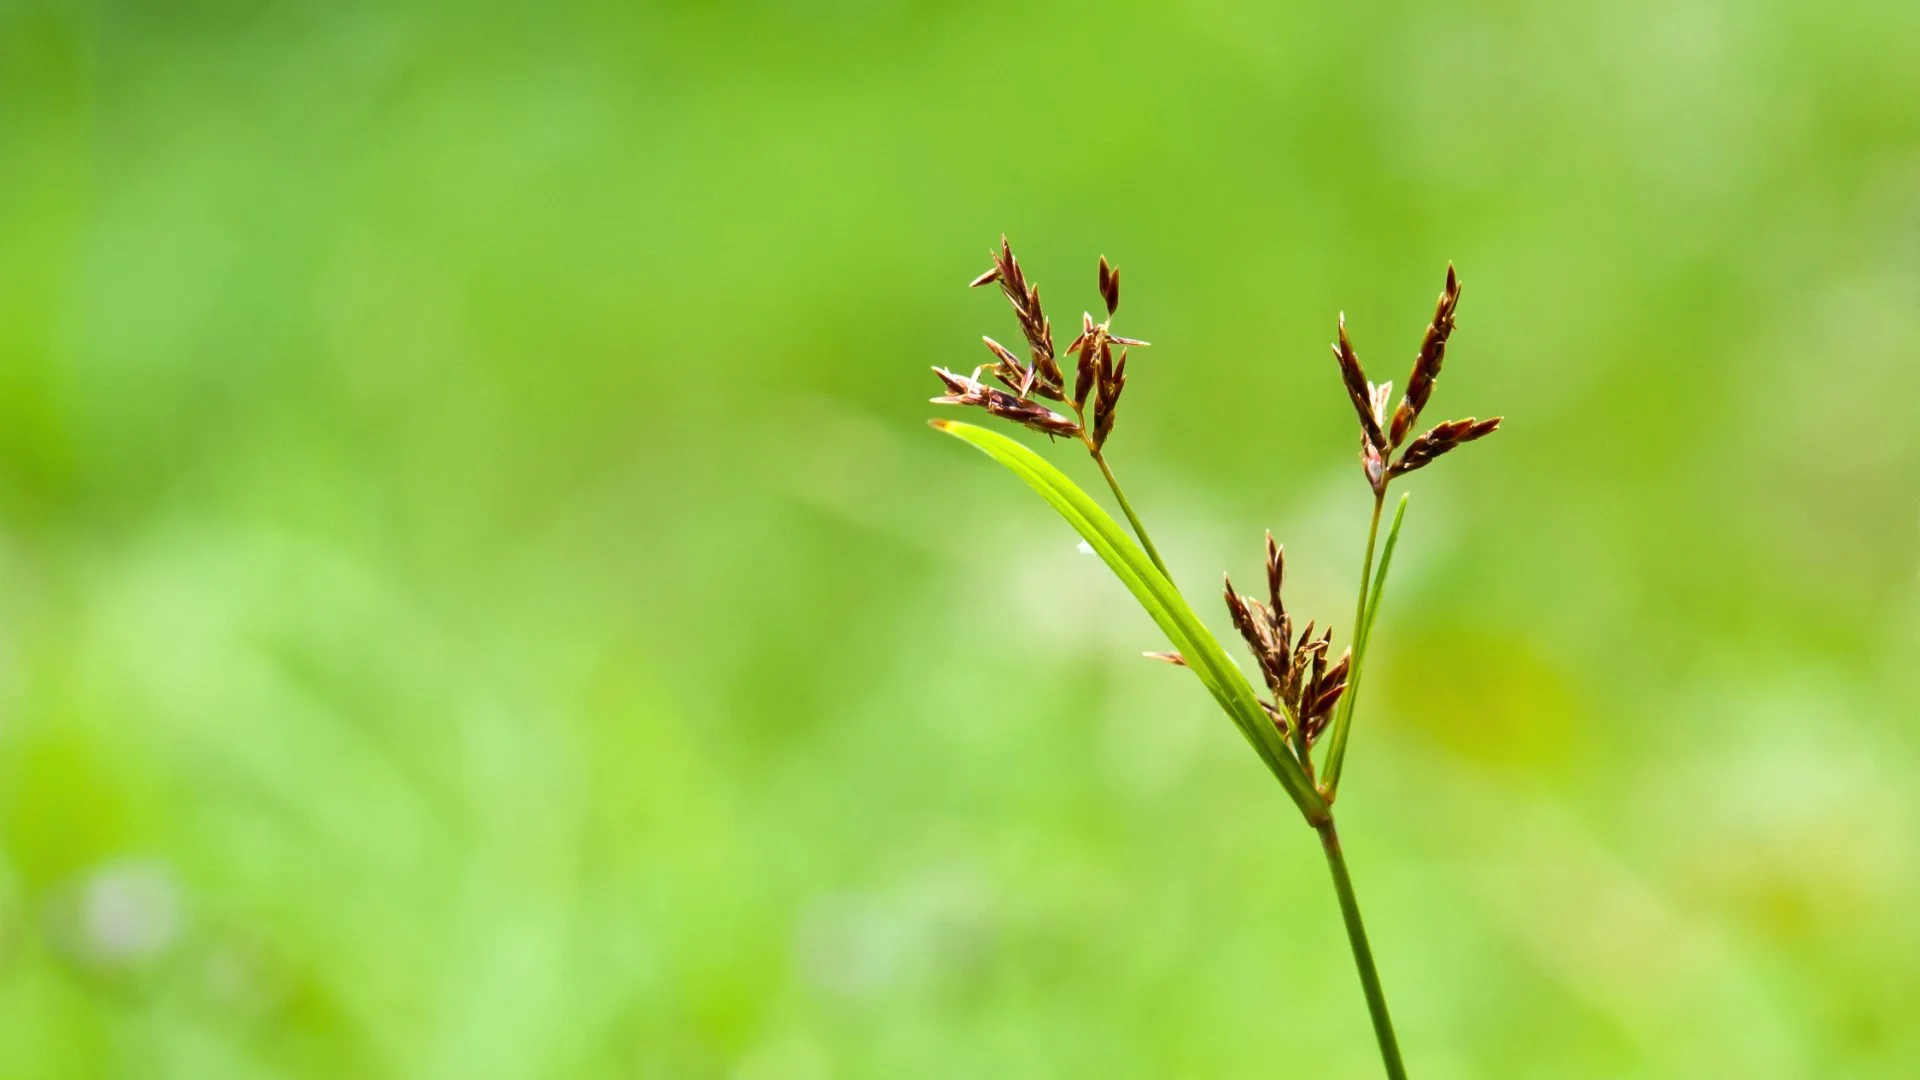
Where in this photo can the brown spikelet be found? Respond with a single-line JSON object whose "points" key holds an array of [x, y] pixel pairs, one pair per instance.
{"points": [[1002, 353], [1109, 286], [957, 386], [1030, 413], [1255, 625], [1322, 691], [1276, 573], [1358, 388], [1338, 672], [1099, 377], [968, 390], [1426, 365], [1306, 681], [1110, 378], [1440, 439], [1243, 618], [1328, 696], [1087, 349], [1008, 368], [1086, 329], [1025, 298]]}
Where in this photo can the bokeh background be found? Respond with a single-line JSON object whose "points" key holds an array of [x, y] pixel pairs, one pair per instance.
{"points": [[478, 597]]}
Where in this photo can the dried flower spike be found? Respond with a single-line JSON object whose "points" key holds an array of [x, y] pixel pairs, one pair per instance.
{"points": [[969, 390], [1426, 365], [1047, 380], [1110, 377], [1087, 348], [1440, 439], [1008, 369], [1304, 686], [1370, 402], [1276, 573], [1357, 387]]}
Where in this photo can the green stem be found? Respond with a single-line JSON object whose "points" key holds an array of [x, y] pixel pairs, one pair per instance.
{"points": [[1126, 507], [1362, 952], [1337, 738]]}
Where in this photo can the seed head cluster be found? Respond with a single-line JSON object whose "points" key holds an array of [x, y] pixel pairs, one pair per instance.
{"points": [[1379, 437], [1305, 687], [1304, 681], [1099, 375]]}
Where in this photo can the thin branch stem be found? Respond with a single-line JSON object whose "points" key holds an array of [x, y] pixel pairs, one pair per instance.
{"points": [[1362, 952], [1126, 507], [1337, 738]]}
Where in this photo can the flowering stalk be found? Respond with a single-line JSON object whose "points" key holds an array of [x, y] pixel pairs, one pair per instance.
{"points": [[1310, 693]]}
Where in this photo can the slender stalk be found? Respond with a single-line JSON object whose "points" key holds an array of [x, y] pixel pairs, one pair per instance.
{"points": [[1337, 738], [1126, 507], [1362, 952]]}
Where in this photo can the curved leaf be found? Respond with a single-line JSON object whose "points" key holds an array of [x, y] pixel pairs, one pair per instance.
{"points": [[1160, 599]]}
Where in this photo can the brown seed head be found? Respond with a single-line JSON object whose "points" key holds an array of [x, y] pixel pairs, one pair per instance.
{"points": [[1031, 414], [1086, 331], [1426, 365], [1338, 672], [1002, 353], [1441, 438], [1255, 624], [1305, 682], [1034, 326], [1087, 349], [1276, 573], [1318, 698], [1357, 387], [969, 390], [1110, 378], [1109, 286], [1008, 368], [1242, 616], [958, 386], [1320, 710]]}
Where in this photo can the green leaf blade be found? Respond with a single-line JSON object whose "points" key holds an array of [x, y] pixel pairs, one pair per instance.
{"points": [[1160, 599]]}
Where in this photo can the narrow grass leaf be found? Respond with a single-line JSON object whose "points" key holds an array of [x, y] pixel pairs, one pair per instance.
{"points": [[1157, 595]]}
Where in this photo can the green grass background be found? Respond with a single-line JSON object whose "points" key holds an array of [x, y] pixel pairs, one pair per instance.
{"points": [[478, 597]]}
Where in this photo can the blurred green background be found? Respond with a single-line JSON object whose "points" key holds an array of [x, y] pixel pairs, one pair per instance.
{"points": [[478, 597]]}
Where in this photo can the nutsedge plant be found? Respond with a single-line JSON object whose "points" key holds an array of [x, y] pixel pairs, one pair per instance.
{"points": [[1311, 695]]}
